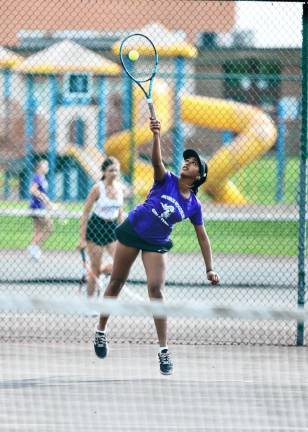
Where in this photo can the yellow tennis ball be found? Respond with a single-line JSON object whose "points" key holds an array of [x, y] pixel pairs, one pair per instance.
{"points": [[133, 55]]}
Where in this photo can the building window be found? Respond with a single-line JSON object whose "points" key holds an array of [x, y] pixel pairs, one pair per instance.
{"points": [[78, 84], [78, 87]]}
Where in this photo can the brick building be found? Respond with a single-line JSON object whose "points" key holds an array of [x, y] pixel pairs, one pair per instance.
{"points": [[192, 17]]}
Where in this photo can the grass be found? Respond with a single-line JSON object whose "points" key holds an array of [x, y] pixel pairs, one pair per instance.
{"points": [[257, 182], [69, 206], [15, 233], [230, 237], [242, 237]]}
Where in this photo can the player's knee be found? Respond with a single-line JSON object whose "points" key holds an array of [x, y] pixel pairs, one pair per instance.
{"points": [[155, 290], [49, 227], [95, 270], [115, 286]]}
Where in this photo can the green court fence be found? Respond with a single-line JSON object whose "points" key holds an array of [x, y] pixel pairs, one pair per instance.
{"points": [[237, 98]]}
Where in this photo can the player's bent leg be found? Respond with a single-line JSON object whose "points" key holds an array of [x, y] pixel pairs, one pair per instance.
{"points": [[95, 254], [106, 269], [123, 260], [154, 264]]}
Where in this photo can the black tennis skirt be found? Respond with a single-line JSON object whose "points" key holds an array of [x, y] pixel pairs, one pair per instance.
{"points": [[100, 231], [126, 234]]}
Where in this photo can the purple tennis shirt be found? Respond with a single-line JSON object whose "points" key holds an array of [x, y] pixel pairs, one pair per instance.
{"points": [[164, 206], [36, 203]]}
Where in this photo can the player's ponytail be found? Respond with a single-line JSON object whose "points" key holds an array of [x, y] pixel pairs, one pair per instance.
{"points": [[197, 183]]}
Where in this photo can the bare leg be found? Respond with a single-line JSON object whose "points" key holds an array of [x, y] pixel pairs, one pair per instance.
{"points": [[48, 228], [95, 253], [155, 267], [123, 260], [107, 268], [42, 229]]}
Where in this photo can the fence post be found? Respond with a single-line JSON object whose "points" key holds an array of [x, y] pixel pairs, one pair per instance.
{"points": [[30, 107], [128, 123], [178, 133], [101, 120], [303, 180], [52, 140], [280, 152]]}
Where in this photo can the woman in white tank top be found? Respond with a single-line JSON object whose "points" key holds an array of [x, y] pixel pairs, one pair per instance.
{"points": [[101, 214]]}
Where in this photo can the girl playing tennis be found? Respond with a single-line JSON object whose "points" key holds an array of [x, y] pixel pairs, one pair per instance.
{"points": [[97, 232], [148, 228]]}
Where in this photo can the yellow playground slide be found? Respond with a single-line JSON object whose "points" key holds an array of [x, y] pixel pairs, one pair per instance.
{"points": [[256, 133], [90, 158]]}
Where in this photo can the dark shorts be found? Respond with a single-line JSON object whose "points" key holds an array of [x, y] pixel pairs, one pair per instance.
{"points": [[100, 231], [127, 235]]}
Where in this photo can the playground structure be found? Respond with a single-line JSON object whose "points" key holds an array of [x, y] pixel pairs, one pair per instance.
{"points": [[66, 66]]}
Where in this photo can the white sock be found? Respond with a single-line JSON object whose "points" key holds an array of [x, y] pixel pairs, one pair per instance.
{"points": [[100, 331], [163, 348]]}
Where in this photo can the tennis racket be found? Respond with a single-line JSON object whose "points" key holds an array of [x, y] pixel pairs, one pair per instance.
{"points": [[148, 58], [83, 278]]}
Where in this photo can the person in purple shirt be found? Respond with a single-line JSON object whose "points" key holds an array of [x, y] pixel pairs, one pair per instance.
{"points": [[39, 203], [148, 227]]}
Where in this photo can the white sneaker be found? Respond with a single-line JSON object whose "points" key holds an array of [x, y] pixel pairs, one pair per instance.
{"points": [[35, 252]]}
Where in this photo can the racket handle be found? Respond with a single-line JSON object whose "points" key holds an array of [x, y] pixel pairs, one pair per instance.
{"points": [[152, 110], [83, 255]]}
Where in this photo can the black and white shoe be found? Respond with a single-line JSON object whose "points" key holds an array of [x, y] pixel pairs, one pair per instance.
{"points": [[165, 363], [100, 344]]}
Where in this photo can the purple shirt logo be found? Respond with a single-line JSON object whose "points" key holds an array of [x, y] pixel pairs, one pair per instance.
{"points": [[164, 206]]}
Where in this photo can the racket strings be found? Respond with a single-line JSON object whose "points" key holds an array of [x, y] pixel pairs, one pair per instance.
{"points": [[142, 69]]}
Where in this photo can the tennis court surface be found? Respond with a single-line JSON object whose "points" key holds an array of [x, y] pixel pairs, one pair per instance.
{"points": [[64, 387], [230, 373]]}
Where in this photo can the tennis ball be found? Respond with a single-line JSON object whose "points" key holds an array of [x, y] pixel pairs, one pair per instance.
{"points": [[133, 55]]}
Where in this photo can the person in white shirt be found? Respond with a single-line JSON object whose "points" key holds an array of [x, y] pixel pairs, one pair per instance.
{"points": [[103, 211]]}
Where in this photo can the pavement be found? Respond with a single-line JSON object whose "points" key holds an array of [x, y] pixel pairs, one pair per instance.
{"points": [[65, 388], [182, 268]]}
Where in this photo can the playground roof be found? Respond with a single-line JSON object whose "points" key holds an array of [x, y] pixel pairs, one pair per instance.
{"points": [[67, 56], [168, 43], [8, 58]]}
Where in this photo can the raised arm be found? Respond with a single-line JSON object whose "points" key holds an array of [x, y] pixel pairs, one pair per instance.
{"points": [[206, 250], [157, 162]]}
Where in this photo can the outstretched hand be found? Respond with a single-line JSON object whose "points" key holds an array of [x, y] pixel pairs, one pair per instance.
{"points": [[155, 126], [82, 244], [213, 277]]}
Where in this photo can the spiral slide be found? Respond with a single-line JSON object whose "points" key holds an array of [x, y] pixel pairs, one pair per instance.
{"points": [[256, 134]]}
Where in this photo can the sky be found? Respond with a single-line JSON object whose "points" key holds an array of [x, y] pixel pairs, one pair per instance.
{"points": [[275, 24]]}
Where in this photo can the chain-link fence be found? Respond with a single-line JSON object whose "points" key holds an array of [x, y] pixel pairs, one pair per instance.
{"points": [[75, 157]]}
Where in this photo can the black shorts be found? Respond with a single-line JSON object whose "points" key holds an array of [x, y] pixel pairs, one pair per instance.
{"points": [[100, 231], [127, 235]]}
